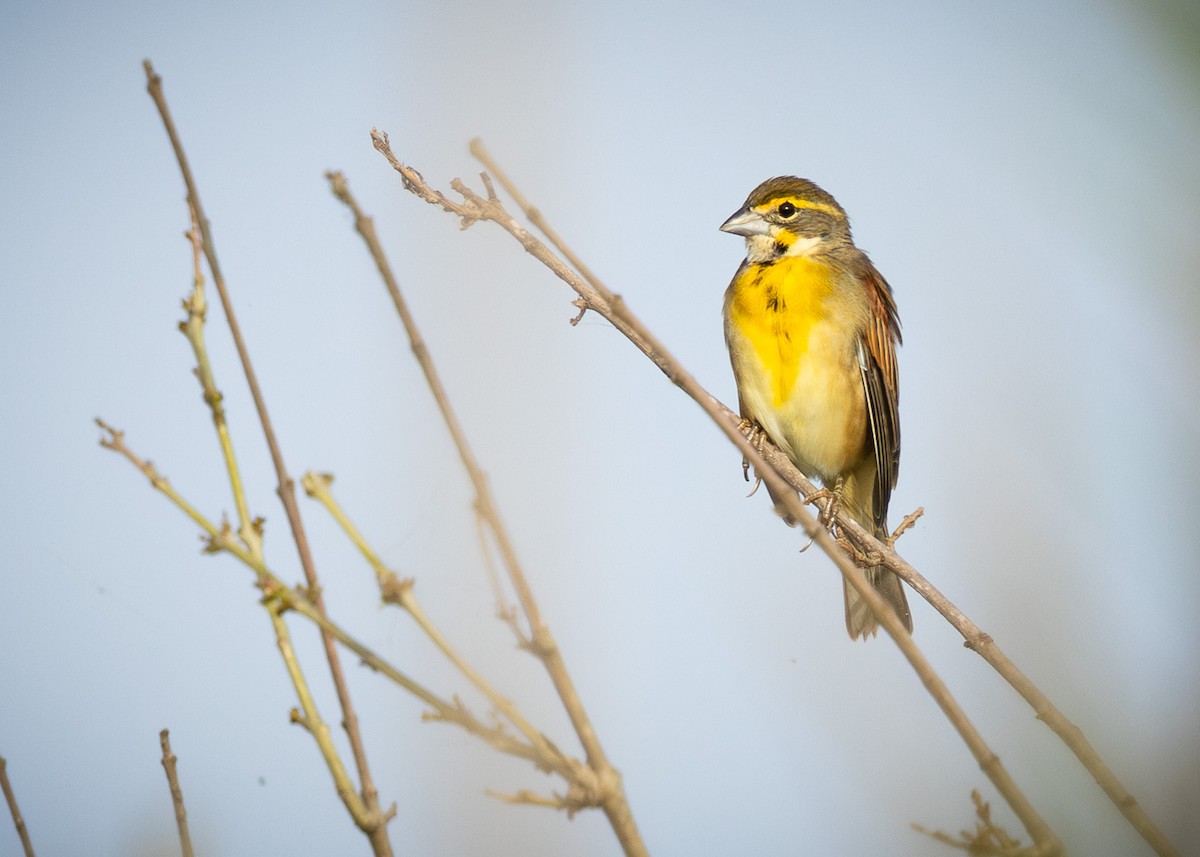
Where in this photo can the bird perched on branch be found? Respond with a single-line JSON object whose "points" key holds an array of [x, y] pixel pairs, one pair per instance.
{"points": [[812, 331]]}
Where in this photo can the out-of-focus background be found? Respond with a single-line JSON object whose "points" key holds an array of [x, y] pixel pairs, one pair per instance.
{"points": [[1027, 177]]}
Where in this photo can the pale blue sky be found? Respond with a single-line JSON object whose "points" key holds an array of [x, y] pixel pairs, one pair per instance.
{"points": [[1024, 174]]}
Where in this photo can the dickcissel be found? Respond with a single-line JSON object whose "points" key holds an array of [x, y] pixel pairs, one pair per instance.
{"points": [[812, 331]]}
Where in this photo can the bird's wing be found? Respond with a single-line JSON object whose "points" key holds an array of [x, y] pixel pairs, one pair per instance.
{"points": [[881, 382]]}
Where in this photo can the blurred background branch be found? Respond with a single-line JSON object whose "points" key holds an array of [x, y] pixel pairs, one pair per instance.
{"points": [[364, 806], [170, 766], [10, 798], [603, 786]]}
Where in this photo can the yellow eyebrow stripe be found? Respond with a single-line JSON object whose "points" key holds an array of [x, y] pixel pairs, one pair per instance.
{"points": [[799, 202]]}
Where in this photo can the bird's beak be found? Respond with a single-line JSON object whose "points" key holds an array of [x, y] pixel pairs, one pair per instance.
{"points": [[746, 223]]}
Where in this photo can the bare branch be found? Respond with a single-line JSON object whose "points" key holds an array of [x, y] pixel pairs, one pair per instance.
{"points": [[192, 327], [376, 828], [603, 782], [168, 763], [534, 215], [885, 554], [613, 308], [400, 593], [525, 797], [910, 521], [221, 538], [988, 839], [11, 799]]}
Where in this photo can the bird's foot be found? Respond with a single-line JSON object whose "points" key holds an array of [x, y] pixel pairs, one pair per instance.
{"points": [[862, 558], [756, 437], [827, 516]]}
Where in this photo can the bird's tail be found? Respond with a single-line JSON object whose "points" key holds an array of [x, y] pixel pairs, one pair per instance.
{"points": [[860, 619]]}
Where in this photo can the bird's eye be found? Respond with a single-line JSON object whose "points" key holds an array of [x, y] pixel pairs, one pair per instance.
{"points": [[786, 209]]}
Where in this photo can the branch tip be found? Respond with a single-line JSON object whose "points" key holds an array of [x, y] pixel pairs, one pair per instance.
{"points": [[988, 839], [491, 189], [316, 484], [910, 521]]}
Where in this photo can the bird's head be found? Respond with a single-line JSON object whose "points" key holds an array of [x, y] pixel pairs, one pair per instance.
{"points": [[788, 216]]}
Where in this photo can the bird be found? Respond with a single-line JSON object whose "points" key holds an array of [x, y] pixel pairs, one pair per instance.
{"points": [[812, 331]]}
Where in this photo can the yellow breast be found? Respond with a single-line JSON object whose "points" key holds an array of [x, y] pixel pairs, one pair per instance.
{"points": [[774, 307], [793, 332]]}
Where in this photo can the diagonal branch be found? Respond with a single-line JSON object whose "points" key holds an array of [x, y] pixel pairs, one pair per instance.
{"points": [[534, 215], [600, 299], [609, 793], [221, 538], [192, 327], [250, 532], [286, 489], [400, 593], [884, 553], [980, 642], [11, 799]]}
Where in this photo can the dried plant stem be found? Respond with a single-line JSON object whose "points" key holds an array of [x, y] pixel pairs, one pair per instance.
{"points": [[250, 533], [535, 216], [399, 592], [168, 763], [600, 299], [192, 327], [988, 839], [309, 717], [376, 828], [982, 644], [221, 538], [11, 799], [606, 789]]}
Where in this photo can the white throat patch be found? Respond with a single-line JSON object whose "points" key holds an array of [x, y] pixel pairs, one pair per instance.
{"points": [[761, 249], [805, 246]]}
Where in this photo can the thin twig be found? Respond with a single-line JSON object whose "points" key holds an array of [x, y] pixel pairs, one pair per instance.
{"points": [[475, 208], [400, 593], [506, 611], [988, 839], [608, 791], [168, 763], [528, 798], [192, 327], [250, 532], [376, 829], [11, 799], [910, 521], [310, 718], [534, 215], [221, 538]]}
